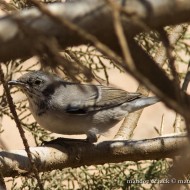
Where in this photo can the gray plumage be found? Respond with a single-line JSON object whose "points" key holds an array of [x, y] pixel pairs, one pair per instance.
{"points": [[72, 108]]}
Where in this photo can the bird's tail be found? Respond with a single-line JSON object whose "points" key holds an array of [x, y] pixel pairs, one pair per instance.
{"points": [[140, 103]]}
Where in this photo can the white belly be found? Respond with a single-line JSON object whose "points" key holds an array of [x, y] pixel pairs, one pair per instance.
{"points": [[66, 123]]}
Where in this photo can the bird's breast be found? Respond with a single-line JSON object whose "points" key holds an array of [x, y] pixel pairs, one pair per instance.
{"points": [[67, 123]]}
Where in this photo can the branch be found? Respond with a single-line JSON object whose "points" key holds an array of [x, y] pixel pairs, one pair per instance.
{"points": [[73, 154], [130, 122], [95, 18]]}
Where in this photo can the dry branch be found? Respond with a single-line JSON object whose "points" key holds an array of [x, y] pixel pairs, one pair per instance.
{"points": [[95, 17], [78, 154]]}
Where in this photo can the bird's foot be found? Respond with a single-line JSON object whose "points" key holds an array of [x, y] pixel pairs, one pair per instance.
{"points": [[62, 141], [92, 136]]}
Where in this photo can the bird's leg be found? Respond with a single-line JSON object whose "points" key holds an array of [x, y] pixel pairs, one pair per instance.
{"points": [[92, 136]]}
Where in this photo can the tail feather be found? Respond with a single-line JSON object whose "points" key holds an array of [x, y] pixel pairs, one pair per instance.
{"points": [[140, 103]]}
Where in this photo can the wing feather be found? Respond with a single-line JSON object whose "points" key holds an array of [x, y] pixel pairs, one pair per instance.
{"points": [[94, 98]]}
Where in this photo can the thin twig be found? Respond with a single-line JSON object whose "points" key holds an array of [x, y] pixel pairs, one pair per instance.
{"points": [[18, 124], [2, 182], [187, 79], [121, 36], [177, 123], [162, 126], [130, 122]]}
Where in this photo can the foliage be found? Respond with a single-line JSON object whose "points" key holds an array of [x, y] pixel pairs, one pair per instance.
{"points": [[85, 64], [105, 177]]}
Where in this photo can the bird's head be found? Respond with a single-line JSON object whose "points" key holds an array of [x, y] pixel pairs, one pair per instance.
{"points": [[37, 84]]}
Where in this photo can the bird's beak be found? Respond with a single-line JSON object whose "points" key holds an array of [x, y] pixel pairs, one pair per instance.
{"points": [[17, 83]]}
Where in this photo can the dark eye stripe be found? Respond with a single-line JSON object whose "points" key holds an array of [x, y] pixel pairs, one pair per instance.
{"points": [[49, 90]]}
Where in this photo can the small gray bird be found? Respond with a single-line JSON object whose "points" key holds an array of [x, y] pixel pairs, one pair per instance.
{"points": [[71, 108]]}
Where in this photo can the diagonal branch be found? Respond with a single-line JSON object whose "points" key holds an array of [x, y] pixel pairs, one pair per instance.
{"points": [[130, 122]]}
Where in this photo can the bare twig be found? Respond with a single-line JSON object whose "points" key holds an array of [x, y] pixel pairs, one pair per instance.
{"points": [[177, 123], [187, 79], [121, 36], [130, 122], [21, 131], [2, 183], [162, 126]]}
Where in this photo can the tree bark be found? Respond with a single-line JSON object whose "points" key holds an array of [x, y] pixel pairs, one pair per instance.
{"points": [[73, 154], [21, 31]]}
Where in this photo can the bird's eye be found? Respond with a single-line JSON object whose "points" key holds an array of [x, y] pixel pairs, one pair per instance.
{"points": [[37, 82]]}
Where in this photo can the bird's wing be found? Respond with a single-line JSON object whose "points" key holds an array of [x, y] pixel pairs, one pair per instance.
{"points": [[94, 98]]}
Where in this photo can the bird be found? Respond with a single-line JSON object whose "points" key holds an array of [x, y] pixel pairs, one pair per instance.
{"points": [[73, 108]]}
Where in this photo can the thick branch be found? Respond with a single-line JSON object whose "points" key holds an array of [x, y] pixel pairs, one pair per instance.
{"points": [[77, 154], [93, 16]]}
